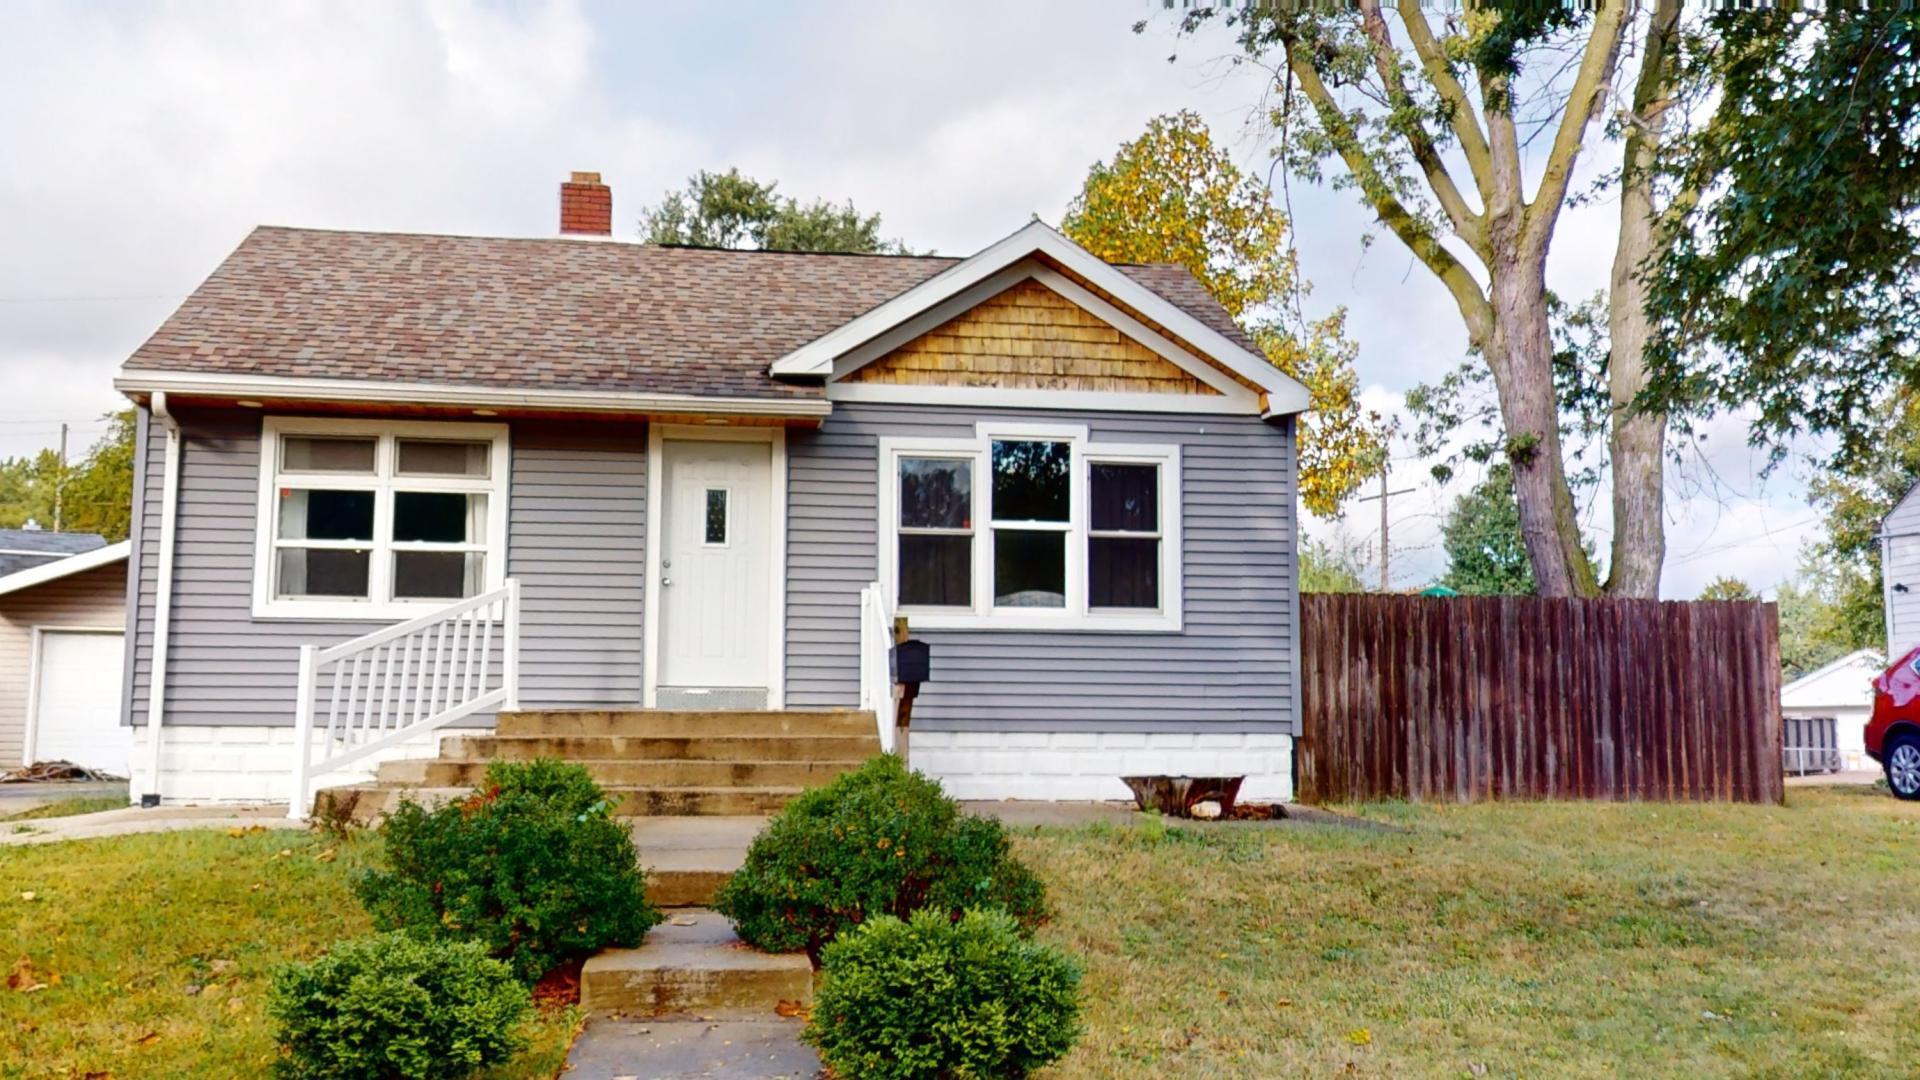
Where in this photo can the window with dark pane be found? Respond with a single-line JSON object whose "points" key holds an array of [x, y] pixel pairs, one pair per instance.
{"points": [[1123, 551], [716, 515], [443, 457], [1032, 480], [437, 575], [936, 493], [325, 515], [324, 572], [1029, 568], [936, 570], [439, 517], [936, 531]]}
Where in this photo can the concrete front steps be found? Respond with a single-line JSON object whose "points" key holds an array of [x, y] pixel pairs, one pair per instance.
{"points": [[652, 762], [693, 964]]}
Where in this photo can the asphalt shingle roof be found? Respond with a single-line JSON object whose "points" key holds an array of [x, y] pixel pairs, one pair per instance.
{"points": [[539, 313], [24, 548]]}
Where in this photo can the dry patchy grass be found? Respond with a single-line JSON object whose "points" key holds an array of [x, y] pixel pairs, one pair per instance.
{"points": [[156, 951], [1506, 940]]}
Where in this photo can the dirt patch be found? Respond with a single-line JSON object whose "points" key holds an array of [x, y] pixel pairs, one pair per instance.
{"points": [[559, 988]]}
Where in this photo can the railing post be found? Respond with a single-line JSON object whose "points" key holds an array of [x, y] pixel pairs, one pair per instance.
{"points": [[301, 795], [510, 648]]}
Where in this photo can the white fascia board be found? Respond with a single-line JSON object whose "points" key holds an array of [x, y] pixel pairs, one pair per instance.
{"points": [[65, 567], [815, 359], [131, 381]]}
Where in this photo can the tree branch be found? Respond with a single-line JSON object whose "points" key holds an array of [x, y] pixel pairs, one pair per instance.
{"points": [[1583, 104], [1467, 222], [1413, 232], [1466, 128]]}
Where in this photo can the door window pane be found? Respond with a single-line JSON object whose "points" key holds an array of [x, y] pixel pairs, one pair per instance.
{"points": [[1029, 568], [936, 493], [325, 515], [1123, 572], [322, 572], [1125, 498], [716, 515], [437, 575], [439, 517], [936, 570], [326, 453], [1031, 480]]}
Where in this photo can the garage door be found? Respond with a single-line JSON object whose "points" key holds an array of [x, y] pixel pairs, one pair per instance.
{"points": [[77, 701]]}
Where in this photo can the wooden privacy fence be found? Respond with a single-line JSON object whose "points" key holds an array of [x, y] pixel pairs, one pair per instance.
{"points": [[1468, 698]]}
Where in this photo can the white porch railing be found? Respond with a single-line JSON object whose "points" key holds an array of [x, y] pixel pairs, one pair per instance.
{"points": [[876, 675], [403, 681]]}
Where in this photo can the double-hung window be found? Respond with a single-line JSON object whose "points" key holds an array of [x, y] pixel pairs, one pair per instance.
{"points": [[366, 519], [1031, 527]]}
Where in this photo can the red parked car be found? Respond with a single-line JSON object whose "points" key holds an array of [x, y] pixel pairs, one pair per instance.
{"points": [[1893, 735]]}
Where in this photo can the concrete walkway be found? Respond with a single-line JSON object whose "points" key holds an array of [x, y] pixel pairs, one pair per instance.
{"points": [[614, 1048], [133, 820]]}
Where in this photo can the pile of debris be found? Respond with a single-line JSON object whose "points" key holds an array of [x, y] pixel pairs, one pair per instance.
{"points": [[43, 772]]}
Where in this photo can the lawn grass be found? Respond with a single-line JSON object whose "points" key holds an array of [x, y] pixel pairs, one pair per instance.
{"points": [[1503, 940], [121, 931], [85, 804]]}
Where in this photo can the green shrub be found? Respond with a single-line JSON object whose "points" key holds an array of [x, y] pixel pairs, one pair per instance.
{"points": [[935, 998], [393, 1006], [876, 841], [532, 865]]}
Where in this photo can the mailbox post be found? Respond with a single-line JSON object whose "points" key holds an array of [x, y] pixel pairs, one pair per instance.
{"points": [[911, 663]]}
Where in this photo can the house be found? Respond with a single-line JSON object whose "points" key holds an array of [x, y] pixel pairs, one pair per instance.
{"points": [[393, 484], [1828, 708], [63, 607], [1900, 572]]}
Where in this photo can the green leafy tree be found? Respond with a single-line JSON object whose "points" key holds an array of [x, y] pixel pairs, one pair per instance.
{"points": [[1727, 587], [1830, 608], [95, 492], [1486, 555], [1428, 123], [1798, 262], [729, 210], [1325, 568], [1174, 196]]}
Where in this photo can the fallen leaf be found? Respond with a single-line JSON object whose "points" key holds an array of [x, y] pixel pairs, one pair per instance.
{"points": [[326, 856], [236, 832], [1360, 1036], [28, 896], [257, 886], [148, 1039], [682, 920], [220, 967], [192, 990], [236, 1005], [789, 1009], [1285, 1003]]}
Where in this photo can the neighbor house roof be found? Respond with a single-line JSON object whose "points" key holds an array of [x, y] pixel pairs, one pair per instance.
{"points": [[64, 566], [23, 548], [541, 314]]}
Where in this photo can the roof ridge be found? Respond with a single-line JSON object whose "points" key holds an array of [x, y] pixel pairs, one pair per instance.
{"points": [[584, 241]]}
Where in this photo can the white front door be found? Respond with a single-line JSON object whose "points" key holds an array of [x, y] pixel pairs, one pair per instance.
{"points": [[715, 570], [76, 701]]}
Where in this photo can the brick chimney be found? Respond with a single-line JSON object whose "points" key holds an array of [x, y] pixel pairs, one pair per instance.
{"points": [[586, 206]]}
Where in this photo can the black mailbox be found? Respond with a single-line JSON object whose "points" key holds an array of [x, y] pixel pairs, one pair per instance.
{"points": [[912, 662]]}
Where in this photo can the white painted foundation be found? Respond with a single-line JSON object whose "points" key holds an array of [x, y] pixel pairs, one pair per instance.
{"points": [[255, 764], [1086, 765]]}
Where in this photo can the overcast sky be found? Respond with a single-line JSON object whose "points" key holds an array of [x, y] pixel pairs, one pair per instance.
{"points": [[142, 141]]}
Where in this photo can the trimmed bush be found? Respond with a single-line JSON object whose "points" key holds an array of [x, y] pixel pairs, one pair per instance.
{"points": [[877, 841], [533, 866], [394, 1006], [935, 999]]}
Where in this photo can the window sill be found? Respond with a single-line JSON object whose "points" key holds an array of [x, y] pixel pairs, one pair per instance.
{"points": [[1145, 622], [345, 610]]}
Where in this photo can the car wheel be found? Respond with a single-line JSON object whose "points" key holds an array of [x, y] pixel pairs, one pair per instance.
{"points": [[1903, 767]]}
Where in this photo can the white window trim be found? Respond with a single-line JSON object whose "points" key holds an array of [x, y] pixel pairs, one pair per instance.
{"points": [[1076, 615], [384, 483]]}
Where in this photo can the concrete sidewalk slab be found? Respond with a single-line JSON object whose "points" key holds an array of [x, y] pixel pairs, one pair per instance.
{"points": [[135, 820], [619, 1049]]}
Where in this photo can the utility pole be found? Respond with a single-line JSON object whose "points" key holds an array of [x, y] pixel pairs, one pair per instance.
{"points": [[60, 481], [1386, 546]]}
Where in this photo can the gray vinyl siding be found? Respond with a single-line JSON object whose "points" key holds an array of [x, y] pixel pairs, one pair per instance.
{"points": [[1230, 669], [576, 540], [1901, 557]]}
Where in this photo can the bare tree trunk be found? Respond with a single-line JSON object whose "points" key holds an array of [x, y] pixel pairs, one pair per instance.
{"points": [[1520, 355], [1638, 439]]}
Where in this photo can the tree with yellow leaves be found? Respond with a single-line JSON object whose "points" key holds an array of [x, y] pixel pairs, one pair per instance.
{"points": [[1173, 196]]}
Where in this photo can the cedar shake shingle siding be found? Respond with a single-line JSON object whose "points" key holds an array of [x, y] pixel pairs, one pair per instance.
{"points": [[542, 314]]}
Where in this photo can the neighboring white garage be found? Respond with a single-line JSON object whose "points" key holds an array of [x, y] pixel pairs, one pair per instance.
{"points": [[1827, 709], [62, 664]]}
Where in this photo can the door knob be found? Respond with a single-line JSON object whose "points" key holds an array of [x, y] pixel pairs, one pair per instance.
{"points": [[666, 581]]}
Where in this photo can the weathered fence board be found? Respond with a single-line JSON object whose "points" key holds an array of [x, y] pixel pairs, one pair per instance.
{"points": [[1469, 698]]}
